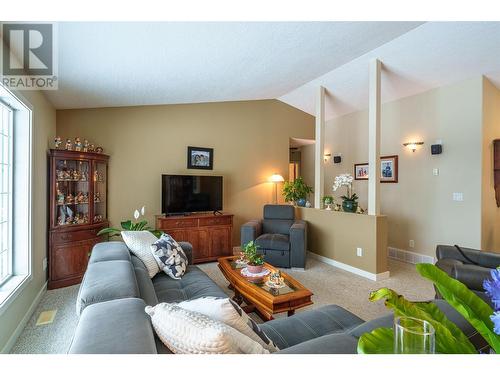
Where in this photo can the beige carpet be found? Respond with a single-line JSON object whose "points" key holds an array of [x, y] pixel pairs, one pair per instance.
{"points": [[329, 285]]}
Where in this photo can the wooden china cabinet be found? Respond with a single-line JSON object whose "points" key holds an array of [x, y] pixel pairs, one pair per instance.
{"points": [[78, 211]]}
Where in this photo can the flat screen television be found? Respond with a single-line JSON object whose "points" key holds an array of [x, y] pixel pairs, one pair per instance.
{"points": [[183, 194]]}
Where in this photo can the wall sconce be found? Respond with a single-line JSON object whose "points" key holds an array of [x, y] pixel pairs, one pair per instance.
{"points": [[327, 157], [413, 145], [275, 178]]}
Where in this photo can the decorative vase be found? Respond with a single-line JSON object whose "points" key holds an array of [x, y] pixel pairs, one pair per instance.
{"points": [[349, 206], [328, 207], [413, 336], [308, 204], [254, 269], [301, 202]]}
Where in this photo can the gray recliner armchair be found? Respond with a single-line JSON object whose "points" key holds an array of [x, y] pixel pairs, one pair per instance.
{"points": [[281, 238], [471, 269]]}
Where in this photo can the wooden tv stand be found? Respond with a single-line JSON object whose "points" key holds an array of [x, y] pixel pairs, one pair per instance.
{"points": [[209, 234]]}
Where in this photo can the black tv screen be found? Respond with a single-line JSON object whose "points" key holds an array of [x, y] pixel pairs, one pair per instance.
{"points": [[185, 194]]}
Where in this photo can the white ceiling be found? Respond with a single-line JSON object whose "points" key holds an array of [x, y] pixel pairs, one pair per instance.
{"points": [[432, 55], [122, 64]]}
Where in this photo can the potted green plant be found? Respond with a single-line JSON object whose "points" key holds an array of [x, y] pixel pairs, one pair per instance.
{"points": [[129, 225], [349, 201], [327, 202], [255, 260], [449, 339], [296, 191]]}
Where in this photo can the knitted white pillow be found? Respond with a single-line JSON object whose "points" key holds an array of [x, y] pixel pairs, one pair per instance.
{"points": [[228, 312], [189, 332], [139, 243]]}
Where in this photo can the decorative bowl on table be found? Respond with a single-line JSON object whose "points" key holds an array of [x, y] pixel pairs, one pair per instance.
{"points": [[246, 273]]}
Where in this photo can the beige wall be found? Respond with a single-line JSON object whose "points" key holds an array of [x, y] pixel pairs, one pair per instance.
{"points": [[44, 129], [420, 206], [307, 167], [250, 141], [490, 236], [337, 235]]}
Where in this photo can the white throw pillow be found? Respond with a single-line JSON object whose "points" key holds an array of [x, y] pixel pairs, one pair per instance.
{"points": [[169, 256], [228, 312], [189, 332], [139, 243]]}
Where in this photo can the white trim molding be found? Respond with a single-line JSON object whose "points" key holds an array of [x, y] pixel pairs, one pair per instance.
{"points": [[348, 268], [409, 256], [15, 335]]}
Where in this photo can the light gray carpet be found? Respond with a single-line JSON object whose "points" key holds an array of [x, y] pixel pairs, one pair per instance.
{"points": [[330, 286]]}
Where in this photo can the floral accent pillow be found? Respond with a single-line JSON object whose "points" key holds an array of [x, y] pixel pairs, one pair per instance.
{"points": [[170, 256]]}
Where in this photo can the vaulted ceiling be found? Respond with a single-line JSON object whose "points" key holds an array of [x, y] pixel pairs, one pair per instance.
{"points": [[124, 64]]}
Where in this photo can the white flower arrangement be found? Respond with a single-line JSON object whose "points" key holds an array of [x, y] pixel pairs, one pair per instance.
{"points": [[345, 180], [138, 213]]}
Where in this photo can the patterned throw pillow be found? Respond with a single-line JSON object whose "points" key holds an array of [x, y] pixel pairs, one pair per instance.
{"points": [[228, 312], [268, 343], [189, 332], [169, 256], [139, 244]]}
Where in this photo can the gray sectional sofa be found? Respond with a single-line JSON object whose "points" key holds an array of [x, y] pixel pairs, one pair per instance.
{"points": [[116, 289]]}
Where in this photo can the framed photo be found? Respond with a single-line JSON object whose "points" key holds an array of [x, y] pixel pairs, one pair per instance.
{"points": [[361, 171], [388, 169], [200, 158]]}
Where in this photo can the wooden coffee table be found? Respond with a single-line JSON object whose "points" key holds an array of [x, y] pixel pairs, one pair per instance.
{"points": [[258, 296]]}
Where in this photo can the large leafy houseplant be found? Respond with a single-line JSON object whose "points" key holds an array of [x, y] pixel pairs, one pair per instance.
{"points": [[129, 225], [449, 338], [294, 191]]}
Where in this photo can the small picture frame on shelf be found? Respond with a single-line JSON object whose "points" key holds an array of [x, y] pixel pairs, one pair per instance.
{"points": [[200, 158], [388, 170]]}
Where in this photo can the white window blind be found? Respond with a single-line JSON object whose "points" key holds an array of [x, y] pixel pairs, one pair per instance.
{"points": [[6, 163]]}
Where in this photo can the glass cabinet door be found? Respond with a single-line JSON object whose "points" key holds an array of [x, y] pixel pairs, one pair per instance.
{"points": [[100, 193], [72, 192]]}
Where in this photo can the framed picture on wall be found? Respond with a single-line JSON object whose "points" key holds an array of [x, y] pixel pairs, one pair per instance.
{"points": [[361, 171], [388, 169], [200, 158]]}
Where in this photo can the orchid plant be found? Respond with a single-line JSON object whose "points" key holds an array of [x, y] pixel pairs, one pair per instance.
{"points": [[129, 225], [345, 180]]}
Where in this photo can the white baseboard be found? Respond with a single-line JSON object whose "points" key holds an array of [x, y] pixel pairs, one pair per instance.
{"points": [[15, 335], [348, 268], [409, 256]]}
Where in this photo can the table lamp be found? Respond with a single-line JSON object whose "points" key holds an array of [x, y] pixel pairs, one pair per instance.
{"points": [[275, 178]]}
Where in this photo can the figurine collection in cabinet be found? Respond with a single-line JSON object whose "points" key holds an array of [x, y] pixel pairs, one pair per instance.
{"points": [[80, 187], [77, 145]]}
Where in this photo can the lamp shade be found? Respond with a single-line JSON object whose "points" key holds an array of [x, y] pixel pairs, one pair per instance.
{"points": [[276, 178]]}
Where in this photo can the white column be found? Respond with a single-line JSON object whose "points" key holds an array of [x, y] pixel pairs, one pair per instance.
{"points": [[319, 148], [374, 139]]}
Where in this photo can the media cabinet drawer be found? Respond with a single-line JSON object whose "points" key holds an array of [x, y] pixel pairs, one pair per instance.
{"points": [[207, 221], [178, 223]]}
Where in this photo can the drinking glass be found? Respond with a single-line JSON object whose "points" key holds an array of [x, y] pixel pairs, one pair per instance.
{"points": [[413, 336]]}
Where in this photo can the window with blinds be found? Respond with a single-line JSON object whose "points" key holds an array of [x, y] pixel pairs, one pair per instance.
{"points": [[6, 163]]}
